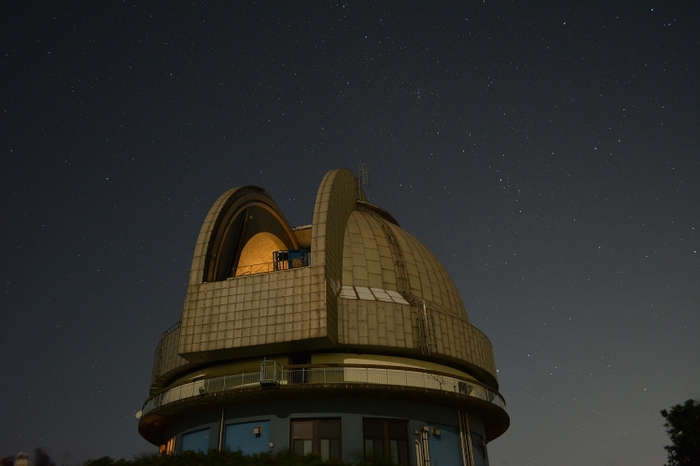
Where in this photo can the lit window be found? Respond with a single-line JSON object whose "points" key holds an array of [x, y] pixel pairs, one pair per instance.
{"points": [[320, 436], [168, 448]]}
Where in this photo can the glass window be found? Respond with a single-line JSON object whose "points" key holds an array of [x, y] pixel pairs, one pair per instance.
{"points": [[168, 448], [445, 445], [320, 436], [386, 438], [248, 437], [479, 450], [196, 441]]}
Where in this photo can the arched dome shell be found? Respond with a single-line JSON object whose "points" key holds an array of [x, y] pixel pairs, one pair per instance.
{"points": [[377, 253]]}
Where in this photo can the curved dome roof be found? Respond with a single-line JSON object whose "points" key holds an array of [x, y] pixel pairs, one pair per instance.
{"points": [[384, 290], [377, 253]]}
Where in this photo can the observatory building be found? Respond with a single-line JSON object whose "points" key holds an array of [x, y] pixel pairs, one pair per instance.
{"points": [[345, 338]]}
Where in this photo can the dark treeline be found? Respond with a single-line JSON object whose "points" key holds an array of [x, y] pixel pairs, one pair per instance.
{"points": [[227, 458]]}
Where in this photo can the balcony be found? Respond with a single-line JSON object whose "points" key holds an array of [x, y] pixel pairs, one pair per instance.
{"points": [[310, 376]]}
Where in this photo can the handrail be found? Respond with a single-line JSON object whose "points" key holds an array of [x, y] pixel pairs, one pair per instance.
{"points": [[170, 329], [252, 269], [263, 267], [326, 375]]}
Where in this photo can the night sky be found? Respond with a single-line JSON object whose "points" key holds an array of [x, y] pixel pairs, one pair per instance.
{"points": [[548, 153]]}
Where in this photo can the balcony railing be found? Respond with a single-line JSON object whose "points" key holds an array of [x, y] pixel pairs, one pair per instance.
{"points": [[324, 375], [281, 260]]}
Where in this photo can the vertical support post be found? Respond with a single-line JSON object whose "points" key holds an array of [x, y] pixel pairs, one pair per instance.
{"points": [[465, 438], [221, 429]]}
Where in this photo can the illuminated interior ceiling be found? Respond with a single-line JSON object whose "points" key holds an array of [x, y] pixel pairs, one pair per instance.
{"points": [[303, 234], [235, 244], [256, 256]]}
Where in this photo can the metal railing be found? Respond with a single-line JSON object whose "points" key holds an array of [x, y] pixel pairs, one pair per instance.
{"points": [[279, 262], [170, 330], [325, 375], [253, 269]]}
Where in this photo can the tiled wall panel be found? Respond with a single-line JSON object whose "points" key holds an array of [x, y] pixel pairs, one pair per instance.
{"points": [[254, 310], [166, 358]]}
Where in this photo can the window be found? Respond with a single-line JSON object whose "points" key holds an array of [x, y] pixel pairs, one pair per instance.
{"points": [[168, 448], [320, 436], [386, 438], [479, 450], [444, 444], [196, 441], [248, 437]]}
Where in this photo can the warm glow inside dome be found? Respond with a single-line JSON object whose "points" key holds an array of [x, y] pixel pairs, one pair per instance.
{"points": [[256, 256]]}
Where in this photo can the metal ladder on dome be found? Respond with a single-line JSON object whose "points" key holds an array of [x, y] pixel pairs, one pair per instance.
{"points": [[426, 327], [399, 263]]}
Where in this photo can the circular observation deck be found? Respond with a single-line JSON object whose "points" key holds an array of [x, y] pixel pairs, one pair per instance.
{"points": [[320, 381]]}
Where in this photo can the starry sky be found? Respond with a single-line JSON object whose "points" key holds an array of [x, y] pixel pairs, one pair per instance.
{"points": [[547, 152]]}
